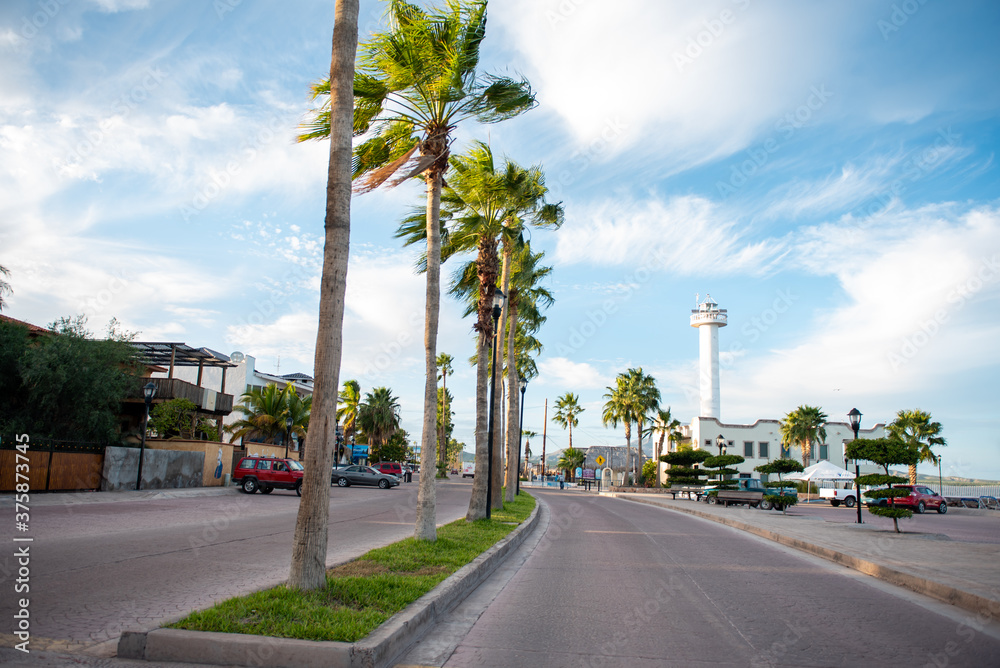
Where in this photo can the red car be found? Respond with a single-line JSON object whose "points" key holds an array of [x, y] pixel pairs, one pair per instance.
{"points": [[268, 474], [390, 468], [920, 499]]}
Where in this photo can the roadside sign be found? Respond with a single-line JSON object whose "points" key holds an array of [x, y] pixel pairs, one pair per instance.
{"points": [[600, 460], [588, 474]]}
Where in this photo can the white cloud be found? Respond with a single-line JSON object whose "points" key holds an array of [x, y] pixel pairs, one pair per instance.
{"points": [[692, 81], [920, 296], [562, 372], [685, 235]]}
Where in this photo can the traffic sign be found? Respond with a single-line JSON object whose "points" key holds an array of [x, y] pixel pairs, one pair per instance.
{"points": [[600, 460]]}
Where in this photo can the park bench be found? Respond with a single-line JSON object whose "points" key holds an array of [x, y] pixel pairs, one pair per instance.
{"points": [[697, 491]]}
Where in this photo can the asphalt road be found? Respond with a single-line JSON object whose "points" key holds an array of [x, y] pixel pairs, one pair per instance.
{"points": [[97, 569], [615, 583]]}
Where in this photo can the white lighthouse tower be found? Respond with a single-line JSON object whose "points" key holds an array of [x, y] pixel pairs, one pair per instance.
{"points": [[708, 317]]}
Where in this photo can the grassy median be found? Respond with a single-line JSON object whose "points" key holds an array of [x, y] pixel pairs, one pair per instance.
{"points": [[360, 595]]}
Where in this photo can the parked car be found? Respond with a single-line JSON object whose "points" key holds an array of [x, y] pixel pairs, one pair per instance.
{"points": [[920, 499], [268, 474], [362, 475], [392, 468]]}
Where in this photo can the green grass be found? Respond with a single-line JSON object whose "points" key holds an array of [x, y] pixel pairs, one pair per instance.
{"points": [[361, 595]]}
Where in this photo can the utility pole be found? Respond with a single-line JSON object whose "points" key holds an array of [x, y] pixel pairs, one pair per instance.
{"points": [[545, 429]]}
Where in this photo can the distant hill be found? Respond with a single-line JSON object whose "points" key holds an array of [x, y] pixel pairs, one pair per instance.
{"points": [[924, 479]]}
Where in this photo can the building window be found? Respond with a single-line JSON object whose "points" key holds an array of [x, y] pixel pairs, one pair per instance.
{"points": [[824, 451], [785, 451], [762, 450], [748, 449], [708, 444]]}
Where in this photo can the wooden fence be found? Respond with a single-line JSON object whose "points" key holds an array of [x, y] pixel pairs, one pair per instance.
{"points": [[53, 466]]}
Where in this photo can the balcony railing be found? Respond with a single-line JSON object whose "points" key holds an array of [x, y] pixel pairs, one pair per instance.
{"points": [[207, 401]]}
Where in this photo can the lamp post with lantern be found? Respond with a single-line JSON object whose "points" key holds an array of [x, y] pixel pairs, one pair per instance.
{"points": [[498, 299], [148, 392], [523, 384], [855, 417]]}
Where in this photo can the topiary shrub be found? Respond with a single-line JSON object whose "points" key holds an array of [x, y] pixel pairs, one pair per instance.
{"points": [[884, 452], [779, 467]]}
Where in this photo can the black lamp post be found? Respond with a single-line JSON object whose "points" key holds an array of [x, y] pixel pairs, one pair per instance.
{"points": [[720, 441], [523, 384], [288, 435], [498, 298], [855, 417], [352, 448], [148, 392]]}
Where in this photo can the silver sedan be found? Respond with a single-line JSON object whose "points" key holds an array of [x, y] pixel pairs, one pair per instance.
{"points": [[362, 475]]}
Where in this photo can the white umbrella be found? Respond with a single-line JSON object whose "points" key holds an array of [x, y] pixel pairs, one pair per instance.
{"points": [[822, 471]]}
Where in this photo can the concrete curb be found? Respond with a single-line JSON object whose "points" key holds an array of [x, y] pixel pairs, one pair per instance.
{"points": [[942, 592], [380, 648]]}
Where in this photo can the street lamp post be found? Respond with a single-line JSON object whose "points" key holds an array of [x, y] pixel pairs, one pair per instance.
{"points": [[523, 384], [288, 434], [940, 478], [498, 297], [148, 392], [720, 441], [855, 417]]}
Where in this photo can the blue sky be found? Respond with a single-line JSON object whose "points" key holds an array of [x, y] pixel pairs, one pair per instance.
{"points": [[826, 171]]}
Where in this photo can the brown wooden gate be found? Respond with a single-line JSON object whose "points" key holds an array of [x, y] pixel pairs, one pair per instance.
{"points": [[53, 466]]}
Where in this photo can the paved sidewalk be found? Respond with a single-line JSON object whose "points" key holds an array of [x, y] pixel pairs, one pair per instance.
{"points": [[39, 499], [961, 573]]}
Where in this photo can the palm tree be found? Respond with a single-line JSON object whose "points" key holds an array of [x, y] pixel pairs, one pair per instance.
{"points": [[347, 412], [918, 432], [309, 544], [378, 417], [567, 408], [5, 288], [298, 408], [619, 409], [645, 398], [263, 410], [481, 204], [570, 459], [415, 83], [444, 361], [803, 426], [667, 426]]}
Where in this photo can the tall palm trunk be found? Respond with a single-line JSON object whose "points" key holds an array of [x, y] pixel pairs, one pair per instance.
{"points": [[498, 451], [486, 270], [638, 438], [426, 524], [658, 452], [443, 437], [628, 450], [513, 404], [308, 567]]}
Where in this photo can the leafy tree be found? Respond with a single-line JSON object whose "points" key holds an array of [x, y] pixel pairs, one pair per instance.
{"points": [[683, 466], [5, 288], [309, 543], [780, 467], [397, 448], [67, 385], [916, 429], [178, 418], [649, 473], [884, 452], [570, 459], [803, 426], [567, 408]]}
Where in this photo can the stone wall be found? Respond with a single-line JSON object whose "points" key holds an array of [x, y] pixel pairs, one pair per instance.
{"points": [[161, 469], [214, 452]]}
